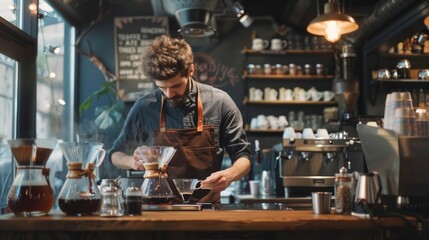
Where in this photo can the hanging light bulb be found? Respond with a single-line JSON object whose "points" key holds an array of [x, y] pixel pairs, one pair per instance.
{"points": [[332, 33], [332, 24], [33, 7]]}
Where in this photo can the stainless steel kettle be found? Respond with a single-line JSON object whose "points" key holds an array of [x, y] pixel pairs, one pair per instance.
{"points": [[368, 189]]}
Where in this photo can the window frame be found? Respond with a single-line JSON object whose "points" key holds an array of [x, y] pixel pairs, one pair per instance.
{"points": [[22, 47]]}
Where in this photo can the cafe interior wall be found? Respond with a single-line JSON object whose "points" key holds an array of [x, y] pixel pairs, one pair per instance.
{"points": [[222, 52]]}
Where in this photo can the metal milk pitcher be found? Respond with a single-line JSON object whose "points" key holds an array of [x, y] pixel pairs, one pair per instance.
{"points": [[368, 188]]}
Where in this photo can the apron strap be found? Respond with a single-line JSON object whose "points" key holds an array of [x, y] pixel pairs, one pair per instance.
{"points": [[199, 113]]}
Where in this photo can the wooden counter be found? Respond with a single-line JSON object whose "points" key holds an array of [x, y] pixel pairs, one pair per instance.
{"points": [[206, 224]]}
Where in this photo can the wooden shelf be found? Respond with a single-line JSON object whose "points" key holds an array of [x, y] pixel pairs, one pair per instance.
{"points": [[251, 130], [287, 51], [288, 77], [405, 55], [401, 81], [278, 102]]}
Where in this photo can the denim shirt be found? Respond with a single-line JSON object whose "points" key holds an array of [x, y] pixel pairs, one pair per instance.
{"points": [[220, 111]]}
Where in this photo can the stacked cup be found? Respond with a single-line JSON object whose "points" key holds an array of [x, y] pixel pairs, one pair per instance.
{"points": [[399, 115], [422, 123]]}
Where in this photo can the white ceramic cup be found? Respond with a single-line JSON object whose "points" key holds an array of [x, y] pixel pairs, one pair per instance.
{"points": [[302, 95], [308, 133], [288, 96], [278, 44], [314, 94], [254, 123], [328, 96], [289, 133], [262, 122], [259, 44], [258, 95], [322, 133]]}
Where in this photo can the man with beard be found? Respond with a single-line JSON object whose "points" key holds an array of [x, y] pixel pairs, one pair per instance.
{"points": [[200, 121]]}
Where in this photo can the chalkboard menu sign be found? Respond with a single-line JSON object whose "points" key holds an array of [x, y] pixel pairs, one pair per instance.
{"points": [[132, 35]]}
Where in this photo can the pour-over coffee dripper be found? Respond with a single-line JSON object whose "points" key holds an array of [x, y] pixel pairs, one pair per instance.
{"points": [[80, 194], [31, 193], [186, 187], [155, 187]]}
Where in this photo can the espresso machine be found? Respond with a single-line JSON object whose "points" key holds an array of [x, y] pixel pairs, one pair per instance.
{"points": [[401, 162], [308, 165]]}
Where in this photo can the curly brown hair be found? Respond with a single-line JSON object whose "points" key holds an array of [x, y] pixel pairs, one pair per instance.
{"points": [[166, 57]]}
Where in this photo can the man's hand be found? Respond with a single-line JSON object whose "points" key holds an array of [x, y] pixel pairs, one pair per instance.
{"points": [[217, 181], [138, 164]]}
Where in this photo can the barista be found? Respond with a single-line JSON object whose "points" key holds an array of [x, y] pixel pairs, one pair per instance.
{"points": [[200, 121]]}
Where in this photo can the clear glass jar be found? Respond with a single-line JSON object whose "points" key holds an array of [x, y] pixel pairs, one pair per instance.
{"points": [[343, 192]]}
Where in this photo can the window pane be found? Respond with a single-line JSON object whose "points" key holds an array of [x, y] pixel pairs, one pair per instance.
{"points": [[50, 89], [7, 85], [50, 75], [9, 11]]}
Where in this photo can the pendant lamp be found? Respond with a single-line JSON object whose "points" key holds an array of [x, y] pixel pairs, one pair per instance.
{"points": [[332, 24]]}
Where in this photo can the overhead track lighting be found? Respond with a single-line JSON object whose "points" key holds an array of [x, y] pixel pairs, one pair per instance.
{"points": [[333, 23], [242, 14]]}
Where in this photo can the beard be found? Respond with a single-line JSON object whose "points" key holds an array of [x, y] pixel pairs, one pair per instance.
{"points": [[178, 101]]}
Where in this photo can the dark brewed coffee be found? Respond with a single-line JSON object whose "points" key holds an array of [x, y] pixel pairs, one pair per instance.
{"points": [[133, 205], [79, 206], [30, 199]]}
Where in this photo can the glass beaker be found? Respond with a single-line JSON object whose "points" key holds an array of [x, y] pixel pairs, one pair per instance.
{"points": [[155, 187], [31, 193], [80, 194]]}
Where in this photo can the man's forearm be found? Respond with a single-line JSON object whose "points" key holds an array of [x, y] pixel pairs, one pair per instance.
{"points": [[122, 160], [240, 168]]}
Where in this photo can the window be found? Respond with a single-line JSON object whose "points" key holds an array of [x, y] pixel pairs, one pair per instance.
{"points": [[9, 10], [35, 86]]}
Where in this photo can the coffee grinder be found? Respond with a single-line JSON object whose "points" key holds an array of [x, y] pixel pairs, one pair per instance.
{"points": [[346, 89]]}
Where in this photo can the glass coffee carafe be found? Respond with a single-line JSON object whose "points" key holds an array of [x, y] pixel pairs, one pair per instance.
{"points": [[155, 187], [31, 193], [80, 194]]}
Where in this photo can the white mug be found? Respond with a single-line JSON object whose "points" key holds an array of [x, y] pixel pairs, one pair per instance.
{"points": [[252, 93], [314, 94], [328, 96], [283, 121], [258, 95], [278, 44], [273, 94], [308, 133], [302, 95], [322, 133], [259, 44], [289, 133], [262, 122]]}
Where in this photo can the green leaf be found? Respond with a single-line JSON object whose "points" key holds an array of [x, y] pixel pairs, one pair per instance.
{"points": [[85, 105]]}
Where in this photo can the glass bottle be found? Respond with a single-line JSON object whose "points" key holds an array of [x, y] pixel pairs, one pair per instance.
{"points": [[31, 193], [343, 192], [80, 194], [111, 200], [133, 200]]}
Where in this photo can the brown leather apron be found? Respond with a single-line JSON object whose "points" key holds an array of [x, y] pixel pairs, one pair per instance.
{"points": [[196, 152]]}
